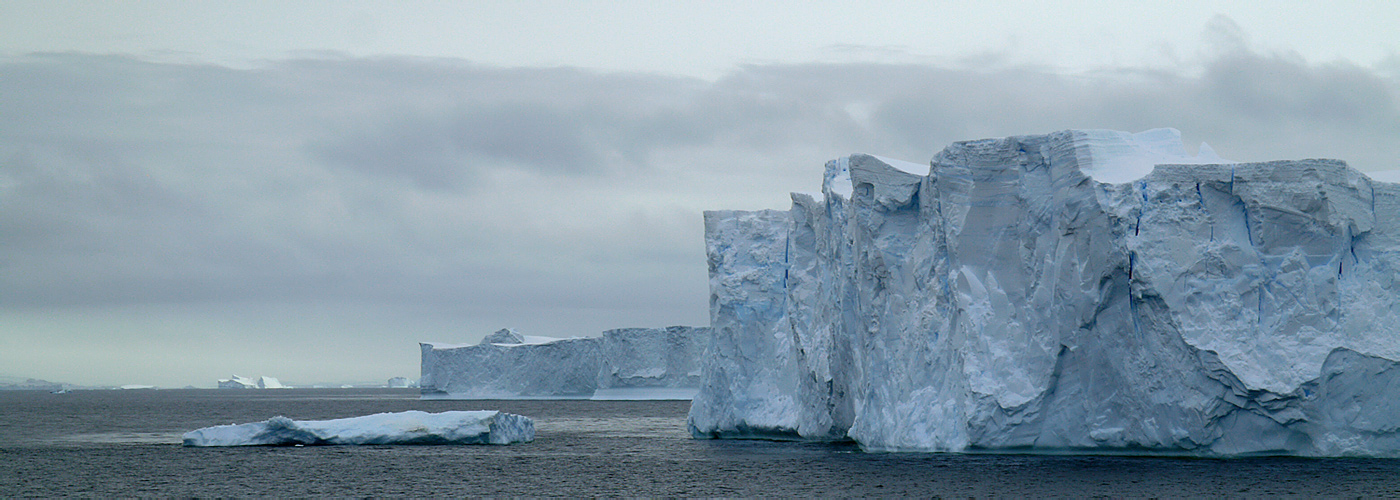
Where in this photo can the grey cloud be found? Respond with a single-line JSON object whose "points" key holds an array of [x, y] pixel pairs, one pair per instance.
{"points": [[421, 151], [1268, 88], [1225, 36], [385, 179], [443, 151], [1390, 66], [536, 135]]}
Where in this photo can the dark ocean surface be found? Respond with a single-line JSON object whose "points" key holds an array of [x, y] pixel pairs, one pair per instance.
{"points": [[127, 443]]}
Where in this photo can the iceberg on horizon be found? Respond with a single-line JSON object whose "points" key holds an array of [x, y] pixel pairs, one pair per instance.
{"points": [[409, 427], [263, 382], [1079, 291]]}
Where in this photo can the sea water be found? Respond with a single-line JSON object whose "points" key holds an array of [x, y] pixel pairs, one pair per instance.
{"points": [[127, 443]]}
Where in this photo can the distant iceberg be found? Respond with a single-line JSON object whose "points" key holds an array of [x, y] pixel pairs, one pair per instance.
{"points": [[409, 427], [17, 383], [237, 382], [628, 363], [264, 382]]}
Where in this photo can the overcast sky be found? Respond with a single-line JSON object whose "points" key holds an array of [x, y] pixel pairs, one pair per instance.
{"points": [[306, 190]]}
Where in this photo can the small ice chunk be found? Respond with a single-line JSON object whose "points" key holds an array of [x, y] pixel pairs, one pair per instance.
{"points": [[409, 427]]}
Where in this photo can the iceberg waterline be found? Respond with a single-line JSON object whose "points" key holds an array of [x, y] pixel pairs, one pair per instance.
{"points": [[1011, 299], [409, 427]]}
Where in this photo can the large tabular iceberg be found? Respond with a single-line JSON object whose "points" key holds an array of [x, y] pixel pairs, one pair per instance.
{"points": [[409, 427], [1077, 291], [628, 363]]}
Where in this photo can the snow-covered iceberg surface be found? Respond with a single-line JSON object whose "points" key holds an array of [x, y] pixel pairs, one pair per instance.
{"points": [[409, 427], [629, 363], [1007, 299]]}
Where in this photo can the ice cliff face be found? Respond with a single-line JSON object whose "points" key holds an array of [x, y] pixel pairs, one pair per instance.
{"points": [[629, 363], [1008, 298]]}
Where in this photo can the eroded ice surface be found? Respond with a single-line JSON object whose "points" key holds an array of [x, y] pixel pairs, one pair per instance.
{"points": [[409, 427], [1011, 299]]}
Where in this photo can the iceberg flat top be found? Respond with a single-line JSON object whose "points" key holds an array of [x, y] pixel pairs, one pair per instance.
{"points": [[409, 427]]}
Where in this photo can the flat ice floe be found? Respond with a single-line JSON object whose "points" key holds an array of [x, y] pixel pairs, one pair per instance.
{"points": [[409, 427]]}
